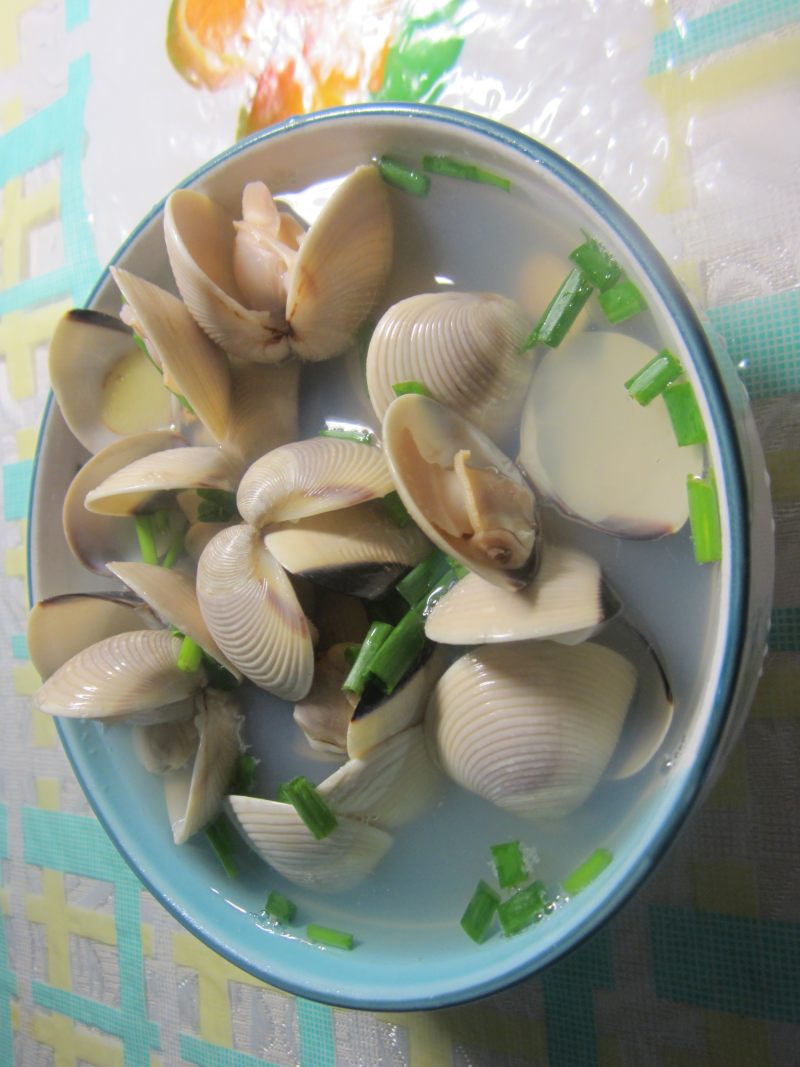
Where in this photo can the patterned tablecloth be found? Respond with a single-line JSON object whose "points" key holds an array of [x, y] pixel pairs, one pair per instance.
{"points": [[686, 111]]}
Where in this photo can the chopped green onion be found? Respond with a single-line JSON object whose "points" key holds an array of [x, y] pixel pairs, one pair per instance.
{"points": [[219, 677], [418, 388], [397, 509], [455, 168], [222, 838], [597, 264], [687, 422], [586, 873], [622, 301], [147, 539], [704, 519], [280, 907], [403, 177], [419, 581], [562, 310], [509, 864], [174, 550], [190, 656], [309, 805], [324, 935], [654, 377], [216, 505], [400, 650], [244, 776], [359, 672], [360, 434], [160, 522], [479, 913], [521, 909], [457, 567], [442, 586]]}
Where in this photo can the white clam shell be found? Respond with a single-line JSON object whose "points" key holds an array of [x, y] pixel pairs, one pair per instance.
{"points": [[104, 383], [95, 539], [389, 785], [253, 613], [195, 793], [579, 423], [200, 533], [143, 485], [166, 746], [309, 477], [486, 515], [341, 267], [264, 407], [193, 366], [336, 863], [172, 596], [464, 347], [530, 726], [565, 597], [324, 713], [124, 676]]}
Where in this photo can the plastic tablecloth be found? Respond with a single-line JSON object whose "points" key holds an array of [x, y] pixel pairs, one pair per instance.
{"points": [[686, 111]]}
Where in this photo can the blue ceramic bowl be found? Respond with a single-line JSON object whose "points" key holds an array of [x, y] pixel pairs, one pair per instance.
{"points": [[710, 623]]}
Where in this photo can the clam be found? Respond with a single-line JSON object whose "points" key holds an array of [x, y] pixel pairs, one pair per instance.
{"points": [[309, 301], [325, 711], [464, 347], [579, 424], [133, 676], [172, 596], [336, 863], [530, 726], [389, 785], [263, 408], [192, 366], [62, 626], [253, 613], [94, 539], [105, 385], [565, 599], [461, 490], [359, 550], [200, 533], [165, 746], [310, 477], [151, 483], [195, 792], [338, 617]]}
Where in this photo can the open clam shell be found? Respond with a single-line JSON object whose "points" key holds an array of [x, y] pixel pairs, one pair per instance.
{"points": [[324, 713], [166, 746], [530, 726], [565, 597], [336, 863], [464, 347], [263, 406], [359, 550], [105, 385], [462, 491], [130, 675], [579, 423], [253, 613], [309, 477], [193, 367]]}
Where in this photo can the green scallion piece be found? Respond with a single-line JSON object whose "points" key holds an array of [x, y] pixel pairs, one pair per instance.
{"points": [[244, 776], [509, 864], [418, 388], [147, 539], [360, 434], [174, 550], [520, 910], [586, 873], [190, 656], [402, 177], [597, 264], [479, 913], [359, 672], [455, 168], [309, 805], [397, 509], [704, 519], [622, 301], [687, 422], [422, 578], [400, 650], [216, 505], [654, 377], [452, 575], [562, 310], [325, 935], [280, 907], [222, 838]]}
